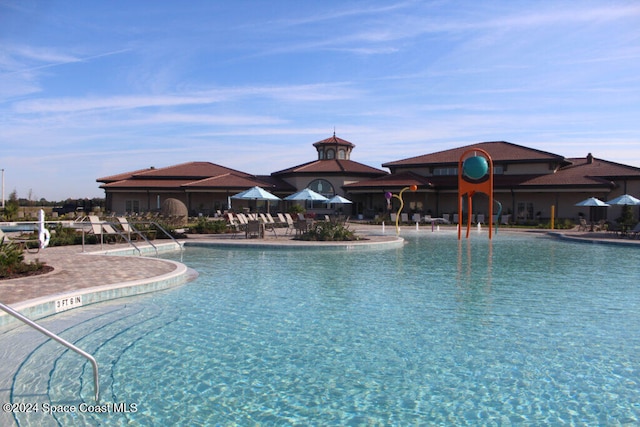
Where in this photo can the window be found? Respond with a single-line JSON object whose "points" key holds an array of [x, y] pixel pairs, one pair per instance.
{"points": [[525, 210], [323, 187], [330, 155], [341, 154], [445, 171], [132, 206]]}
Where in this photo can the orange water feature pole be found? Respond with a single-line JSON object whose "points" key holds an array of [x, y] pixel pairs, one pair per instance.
{"points": [[475, 175]]}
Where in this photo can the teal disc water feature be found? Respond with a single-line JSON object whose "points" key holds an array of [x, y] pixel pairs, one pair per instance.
{"points": [[475, 167]]}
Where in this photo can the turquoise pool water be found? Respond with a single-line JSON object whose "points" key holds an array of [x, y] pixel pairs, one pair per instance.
{"points": [[517, 331]]}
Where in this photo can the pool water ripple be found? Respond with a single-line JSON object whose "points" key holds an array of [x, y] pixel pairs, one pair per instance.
{"points": [[517, 331]]}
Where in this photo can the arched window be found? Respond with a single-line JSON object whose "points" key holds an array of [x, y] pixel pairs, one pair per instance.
{"points": [[330, 154], [341, 154], [323, 187]]}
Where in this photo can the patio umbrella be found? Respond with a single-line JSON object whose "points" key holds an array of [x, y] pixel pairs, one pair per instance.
{"points": [[593, 204], [592, 201], [625, 199], [307, 194], [255, 193], [339, 199]]}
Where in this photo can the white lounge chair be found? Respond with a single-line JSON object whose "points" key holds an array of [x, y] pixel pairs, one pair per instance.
{"points": [[102, 229]]}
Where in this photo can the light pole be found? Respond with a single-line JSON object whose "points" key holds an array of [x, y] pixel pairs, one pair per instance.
{"points": [[2, 188]]}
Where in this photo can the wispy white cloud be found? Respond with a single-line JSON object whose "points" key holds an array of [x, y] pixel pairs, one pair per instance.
{"points": [[49, 56], [293, 93]]}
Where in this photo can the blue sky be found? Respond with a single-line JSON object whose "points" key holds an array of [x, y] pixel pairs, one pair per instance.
{"points": [[89, 89]]}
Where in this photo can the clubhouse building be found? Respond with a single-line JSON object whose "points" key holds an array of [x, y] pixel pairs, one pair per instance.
{"points": [[527, 182]]}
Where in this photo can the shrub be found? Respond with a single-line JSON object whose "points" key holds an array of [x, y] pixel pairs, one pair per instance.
{"points": [[63, 236], [329, 231], [296, 209], [204, 226], [12, 261]]}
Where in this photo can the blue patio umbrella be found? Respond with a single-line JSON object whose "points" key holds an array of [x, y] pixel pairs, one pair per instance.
{"points": [[307, 194], [339, 200], [256, 193], [593, 202], [625, 199]]}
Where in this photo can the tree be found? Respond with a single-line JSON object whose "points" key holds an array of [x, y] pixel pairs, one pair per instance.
{"points": [[11, 208], [626, 218]]}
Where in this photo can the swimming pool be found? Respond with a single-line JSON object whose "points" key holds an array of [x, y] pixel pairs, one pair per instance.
{"points": [[517, 331]]}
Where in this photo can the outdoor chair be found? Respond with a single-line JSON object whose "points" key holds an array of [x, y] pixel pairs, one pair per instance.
{"points": [[129, 230], [254, 229], [634, 233], [268, 225], [287, 222], [583, 226], [104, 229], [233, 225], [303, 225], [600, 226]]}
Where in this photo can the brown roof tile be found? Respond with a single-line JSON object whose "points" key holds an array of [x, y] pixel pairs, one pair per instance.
{"points": [[196, 170], [404, 179], [332, 166], [120, 176], [334, 140], [500, 151]]}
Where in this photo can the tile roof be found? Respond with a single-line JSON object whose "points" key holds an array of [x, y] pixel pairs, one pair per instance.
{"points": [[587, 171], [186, 175], [332, 166], [334, 140], [500, 151], [227, 180], [120, 176], [403, 179]]}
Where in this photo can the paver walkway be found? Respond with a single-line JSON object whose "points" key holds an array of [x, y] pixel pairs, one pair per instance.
{"points": [[76, 270]]}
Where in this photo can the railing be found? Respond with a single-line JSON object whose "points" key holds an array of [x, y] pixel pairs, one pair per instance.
{"points": [[126, 233], [85, 226], [34, 325], [158, 227]]}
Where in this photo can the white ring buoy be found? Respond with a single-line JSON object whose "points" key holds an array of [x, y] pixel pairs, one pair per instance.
{"points": [[44, 236]]}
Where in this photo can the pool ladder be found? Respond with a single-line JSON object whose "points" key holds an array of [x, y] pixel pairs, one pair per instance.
{"points": [[34, 325]]}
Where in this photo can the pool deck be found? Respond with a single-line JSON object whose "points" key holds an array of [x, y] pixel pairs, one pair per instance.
{"points": [[77, 272]]}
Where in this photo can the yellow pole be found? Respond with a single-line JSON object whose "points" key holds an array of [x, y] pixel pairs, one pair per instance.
{"points": [[553, 215]]}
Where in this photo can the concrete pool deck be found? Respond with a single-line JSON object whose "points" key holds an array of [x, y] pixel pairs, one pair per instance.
{"points": [[99, 276]]}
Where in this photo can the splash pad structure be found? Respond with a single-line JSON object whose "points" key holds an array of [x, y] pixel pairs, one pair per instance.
{"points": [[475, 175], [389, 195]]}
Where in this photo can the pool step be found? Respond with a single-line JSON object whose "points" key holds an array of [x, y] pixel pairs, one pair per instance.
{"points": [[52, 374]]}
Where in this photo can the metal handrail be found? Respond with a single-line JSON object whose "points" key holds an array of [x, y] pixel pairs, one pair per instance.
{"points": [[116, 226], [116, 230], [34, 325], [159, 227]]}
